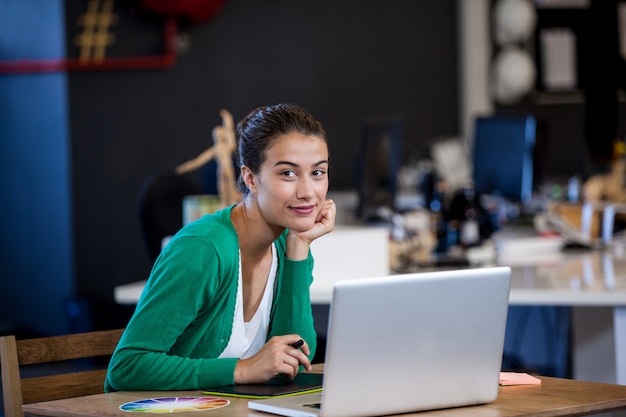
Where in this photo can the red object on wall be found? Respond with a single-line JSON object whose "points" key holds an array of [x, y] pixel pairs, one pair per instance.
{"points": [[195, 11], [165, 60]]}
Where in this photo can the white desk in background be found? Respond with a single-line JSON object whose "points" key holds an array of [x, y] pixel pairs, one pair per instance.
{"points": [[348, 252], [593, 283]]}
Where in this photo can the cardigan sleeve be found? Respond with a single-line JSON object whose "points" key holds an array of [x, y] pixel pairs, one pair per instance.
{"points": [[292, 305], [176, 334]]}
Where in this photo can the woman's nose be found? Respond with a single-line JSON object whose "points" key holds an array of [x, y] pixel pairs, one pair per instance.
{"points": [[305, 188]]}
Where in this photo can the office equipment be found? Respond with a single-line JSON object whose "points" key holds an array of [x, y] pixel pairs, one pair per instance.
{"points": [[410, 342], [503, 157], [378, 161], [18, 389], [275, 387]]}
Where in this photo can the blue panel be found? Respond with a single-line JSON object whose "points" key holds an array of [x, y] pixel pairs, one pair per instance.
{"points": [[36, 253], [503, 157], [538, 340]]}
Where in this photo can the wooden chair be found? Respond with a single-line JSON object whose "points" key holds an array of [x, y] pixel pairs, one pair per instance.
{"points": [[86, 379]]}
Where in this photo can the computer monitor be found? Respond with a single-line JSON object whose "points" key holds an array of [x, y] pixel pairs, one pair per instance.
{"points": [[378, 162], [503, 157]]}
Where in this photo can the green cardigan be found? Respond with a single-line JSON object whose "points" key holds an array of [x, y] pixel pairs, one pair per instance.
{"points": [[184, 317]]}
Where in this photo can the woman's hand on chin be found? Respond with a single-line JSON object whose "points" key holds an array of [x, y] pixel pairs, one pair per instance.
{"points": [[298, 243]]}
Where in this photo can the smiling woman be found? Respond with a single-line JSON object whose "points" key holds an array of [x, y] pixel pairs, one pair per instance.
{"points": [[233, 286]]}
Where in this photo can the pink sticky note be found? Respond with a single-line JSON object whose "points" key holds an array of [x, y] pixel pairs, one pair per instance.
{"points": [[518, 378]]}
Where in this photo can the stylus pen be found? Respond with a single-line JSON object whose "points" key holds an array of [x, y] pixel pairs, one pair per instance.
{"points": [[297, 345]]}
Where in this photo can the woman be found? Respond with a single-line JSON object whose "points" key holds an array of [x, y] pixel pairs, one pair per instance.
{"points": [[229, 295]]}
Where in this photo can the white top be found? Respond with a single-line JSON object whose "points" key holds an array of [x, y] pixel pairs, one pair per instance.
{"points": [[248, 337]]}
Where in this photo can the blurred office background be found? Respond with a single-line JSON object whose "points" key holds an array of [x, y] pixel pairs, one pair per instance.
{"points": [[77, 143]]}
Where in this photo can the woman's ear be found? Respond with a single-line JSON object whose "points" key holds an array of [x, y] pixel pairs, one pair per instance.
{"points": [[248, 177]]}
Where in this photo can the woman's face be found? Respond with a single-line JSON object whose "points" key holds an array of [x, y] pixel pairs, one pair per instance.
{"points": [[293, 181]]}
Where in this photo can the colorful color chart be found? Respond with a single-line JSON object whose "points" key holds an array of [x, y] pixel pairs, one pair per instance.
{"points": [[174, 404]]}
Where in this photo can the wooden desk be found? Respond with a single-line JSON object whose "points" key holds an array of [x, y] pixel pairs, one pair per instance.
{"points": [[554, 397]]}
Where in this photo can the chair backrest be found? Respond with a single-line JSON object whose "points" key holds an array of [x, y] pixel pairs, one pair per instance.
{"points": [[85, 379], [160, 207]]}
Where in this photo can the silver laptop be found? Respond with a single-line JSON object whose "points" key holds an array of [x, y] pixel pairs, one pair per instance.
{"points": [[411, 342]]}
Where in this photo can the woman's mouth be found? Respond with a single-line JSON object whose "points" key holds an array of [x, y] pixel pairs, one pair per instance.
{"points": [[303, 210]]}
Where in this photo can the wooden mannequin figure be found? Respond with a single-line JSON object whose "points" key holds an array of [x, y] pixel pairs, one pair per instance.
{"points": [[224, 145]]}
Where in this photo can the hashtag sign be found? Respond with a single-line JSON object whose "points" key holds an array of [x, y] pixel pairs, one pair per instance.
{"points": [[95, 36]]}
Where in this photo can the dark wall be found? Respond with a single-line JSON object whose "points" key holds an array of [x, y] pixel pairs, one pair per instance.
{"points": [[342, 60]]}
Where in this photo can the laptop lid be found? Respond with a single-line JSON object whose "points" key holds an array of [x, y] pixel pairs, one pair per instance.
{"points": [[410, 342]]}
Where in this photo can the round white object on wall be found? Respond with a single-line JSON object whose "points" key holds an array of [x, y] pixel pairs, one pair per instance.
{"points": [[513, 74], [514, 21]]}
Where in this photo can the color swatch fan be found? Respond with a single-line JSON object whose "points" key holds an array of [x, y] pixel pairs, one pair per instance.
{"points": [[174, 404]]}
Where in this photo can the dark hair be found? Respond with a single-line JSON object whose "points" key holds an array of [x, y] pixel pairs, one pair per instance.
{"points": [[257, 131]]}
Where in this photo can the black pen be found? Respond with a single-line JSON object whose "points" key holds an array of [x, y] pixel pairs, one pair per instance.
{"points": [[297, 345]]}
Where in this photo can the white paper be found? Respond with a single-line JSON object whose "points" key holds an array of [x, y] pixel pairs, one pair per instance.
{"points": [[558, 49]]}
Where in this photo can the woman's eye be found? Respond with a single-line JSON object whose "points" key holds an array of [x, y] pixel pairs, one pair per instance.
{"points": [[288, 174], [319, 172]]}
